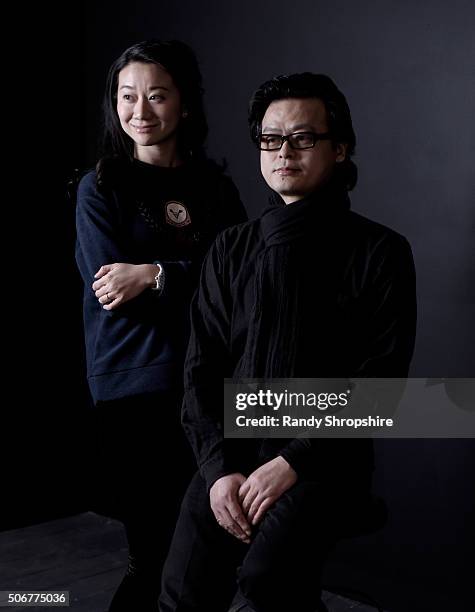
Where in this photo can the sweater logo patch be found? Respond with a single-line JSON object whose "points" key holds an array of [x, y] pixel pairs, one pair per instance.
{"points": [[177, 214]]}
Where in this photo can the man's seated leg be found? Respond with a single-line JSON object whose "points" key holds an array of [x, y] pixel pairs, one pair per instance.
{"points": [[282, 568]]}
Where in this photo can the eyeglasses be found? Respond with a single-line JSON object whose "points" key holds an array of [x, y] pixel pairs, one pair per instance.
{"points": [[298, 140]]}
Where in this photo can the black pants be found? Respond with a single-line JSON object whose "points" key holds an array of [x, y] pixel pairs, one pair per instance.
{"points": [[278, 572], [146, 464]]}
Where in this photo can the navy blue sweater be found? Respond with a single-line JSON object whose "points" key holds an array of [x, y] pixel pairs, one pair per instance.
{"points": [[170, 215]]}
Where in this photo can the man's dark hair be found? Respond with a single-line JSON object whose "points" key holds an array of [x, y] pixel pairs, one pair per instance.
{"points": [[309, 85], [180, 62]]}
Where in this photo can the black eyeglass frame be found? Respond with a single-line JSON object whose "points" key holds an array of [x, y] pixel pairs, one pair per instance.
{"points": [[315, 136]]}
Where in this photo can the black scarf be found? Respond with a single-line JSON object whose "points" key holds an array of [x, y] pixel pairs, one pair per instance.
{"points": [[294, 236]]}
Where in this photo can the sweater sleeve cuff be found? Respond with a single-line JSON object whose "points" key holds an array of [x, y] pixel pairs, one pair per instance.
{"points": [[297, 456], [178, 278], [214, 469]]}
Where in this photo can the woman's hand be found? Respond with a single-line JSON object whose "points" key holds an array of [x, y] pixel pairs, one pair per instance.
{"points": [[118, 283]]}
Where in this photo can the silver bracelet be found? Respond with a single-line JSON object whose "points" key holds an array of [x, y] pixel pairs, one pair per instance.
{"points": [[159, 278]]}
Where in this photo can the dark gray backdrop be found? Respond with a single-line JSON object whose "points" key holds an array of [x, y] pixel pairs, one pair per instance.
{"points": [[407, 71]]}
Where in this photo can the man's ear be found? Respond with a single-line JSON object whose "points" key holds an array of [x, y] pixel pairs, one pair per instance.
{"points": [[341, 149]]}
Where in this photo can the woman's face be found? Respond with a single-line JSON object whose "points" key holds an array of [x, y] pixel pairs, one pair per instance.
{"points": [[148, 105]]}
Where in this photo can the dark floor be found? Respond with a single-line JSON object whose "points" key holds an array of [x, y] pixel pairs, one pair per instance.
{"points": [[85, 555]]}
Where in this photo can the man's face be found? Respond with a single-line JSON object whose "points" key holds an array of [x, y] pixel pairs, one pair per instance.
{"points": [[294, 173]]}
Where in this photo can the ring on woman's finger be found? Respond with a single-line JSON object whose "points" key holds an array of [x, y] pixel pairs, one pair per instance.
{"points": [[107, 297]]}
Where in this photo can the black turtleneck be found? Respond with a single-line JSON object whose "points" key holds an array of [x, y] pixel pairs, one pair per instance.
{"points": [[282, 222]]}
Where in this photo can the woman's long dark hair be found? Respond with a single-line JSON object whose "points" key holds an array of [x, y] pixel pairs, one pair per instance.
{"points": [[181, 63]]}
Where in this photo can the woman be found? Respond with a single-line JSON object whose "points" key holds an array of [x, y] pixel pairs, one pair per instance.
{"points": [[145, 218]]}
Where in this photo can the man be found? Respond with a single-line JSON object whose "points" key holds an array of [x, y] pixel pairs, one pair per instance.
{"points": [[310, 289]]}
